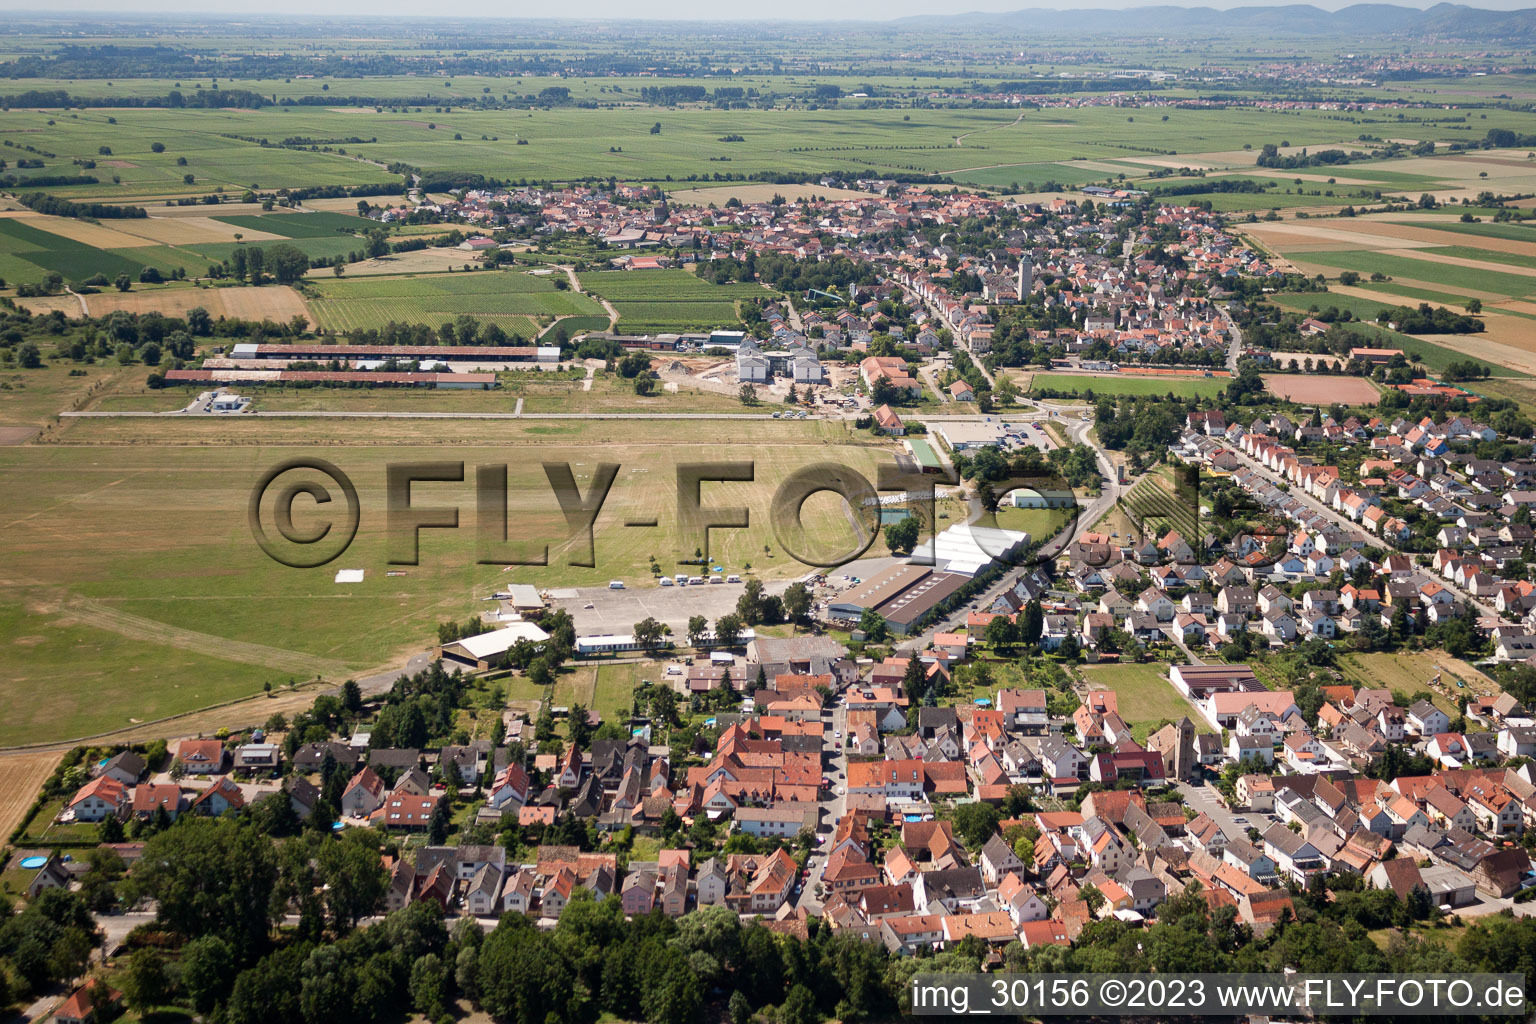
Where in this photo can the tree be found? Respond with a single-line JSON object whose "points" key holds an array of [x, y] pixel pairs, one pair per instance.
{"points": [[437, 826], [797, 601], [255, 262], [1091, 895], [750, 604], [429, 986], [144, 982], [728, 629], [1002, 633], [747, 394], [873, 625], [901, 536], [207, 968], [648, 632], [539, 672], [123, 282], [1032, 625], [287, 263], [698, 627], [354, 877], [211, 876], [975, 823]]}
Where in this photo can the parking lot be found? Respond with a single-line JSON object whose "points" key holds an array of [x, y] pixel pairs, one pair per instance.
{"points": [[617, 611]]}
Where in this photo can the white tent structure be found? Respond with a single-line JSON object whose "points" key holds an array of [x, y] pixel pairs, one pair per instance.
{"points": [[969, 549]]}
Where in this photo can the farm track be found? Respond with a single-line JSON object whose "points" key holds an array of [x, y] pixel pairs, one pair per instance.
{"points": [[103, 616]]}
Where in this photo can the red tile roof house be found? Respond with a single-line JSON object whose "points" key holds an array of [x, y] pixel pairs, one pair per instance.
{"points": [[94, 1001], [99, 798], [405, 810], [202, 756], [222, 796], [150, 798]]}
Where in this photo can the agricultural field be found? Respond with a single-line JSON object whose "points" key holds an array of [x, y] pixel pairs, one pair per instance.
{"points": [[1113, 384], [1147, 698], [32, 245], [659, 301], [518, 302], [203, 616], [22, 775]]}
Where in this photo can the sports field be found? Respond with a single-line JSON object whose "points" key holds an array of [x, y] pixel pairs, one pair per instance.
{"points": [[1112, 384], [1147, 698]]}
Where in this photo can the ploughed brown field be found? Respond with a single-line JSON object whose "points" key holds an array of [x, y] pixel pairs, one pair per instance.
{"points": [[1321, 389]]}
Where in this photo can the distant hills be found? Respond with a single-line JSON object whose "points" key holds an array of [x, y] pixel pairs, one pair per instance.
{"points": [[1442, 20]]}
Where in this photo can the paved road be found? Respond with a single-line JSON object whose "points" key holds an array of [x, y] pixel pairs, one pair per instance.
{"points": [[1236, 348]]}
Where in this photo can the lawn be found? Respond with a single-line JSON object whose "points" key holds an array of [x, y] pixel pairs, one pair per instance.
{"points": [[1147, 698], [1039, 523], [1080, 384]]}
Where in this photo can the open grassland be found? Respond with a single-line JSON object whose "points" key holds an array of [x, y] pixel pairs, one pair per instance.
{"points": [[141, 555], [1407, 672], [519, 302], [1112, 384], [655, 301], [1147, 698], [32, 399]]}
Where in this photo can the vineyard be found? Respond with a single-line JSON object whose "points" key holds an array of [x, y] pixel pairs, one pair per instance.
{"points": [[654, 301], [1155, 509], [518, 303]]}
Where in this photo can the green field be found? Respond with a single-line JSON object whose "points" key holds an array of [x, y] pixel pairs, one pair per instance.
{"points": [[658, 301], [517, 301], [1444, 274], [1147, 698], [302, 225], [1080, 384]]}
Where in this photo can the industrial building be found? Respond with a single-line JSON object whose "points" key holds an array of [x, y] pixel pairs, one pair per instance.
{"points": [[461, 381], [483, 651], [302, 351]]}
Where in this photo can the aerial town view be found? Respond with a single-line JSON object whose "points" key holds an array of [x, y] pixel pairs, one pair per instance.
{"points": [[692, 515]]}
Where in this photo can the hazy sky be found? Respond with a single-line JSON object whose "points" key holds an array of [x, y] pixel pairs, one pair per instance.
{"points": [[739, 10]]}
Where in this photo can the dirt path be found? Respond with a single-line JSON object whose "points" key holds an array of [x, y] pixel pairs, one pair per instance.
{"points": [[960, 139], [85, 310], [104, 616], [613, 314]]}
